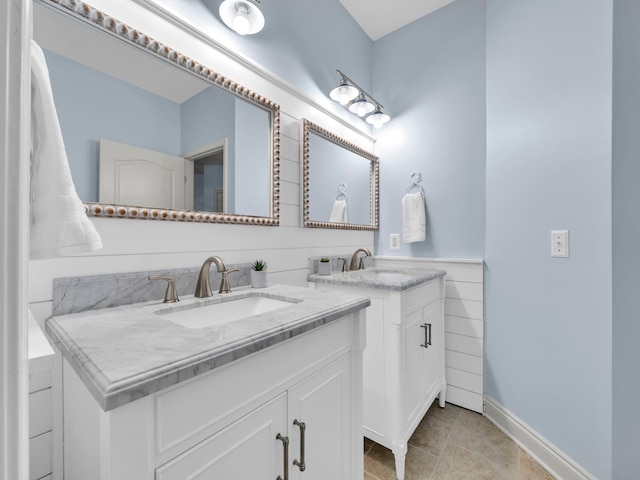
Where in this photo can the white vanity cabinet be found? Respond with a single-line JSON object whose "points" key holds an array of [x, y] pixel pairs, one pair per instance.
{"points": [[404, 358], [257, 418]]}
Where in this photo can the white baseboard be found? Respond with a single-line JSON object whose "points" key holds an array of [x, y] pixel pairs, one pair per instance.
{"points": [[550, 457]]}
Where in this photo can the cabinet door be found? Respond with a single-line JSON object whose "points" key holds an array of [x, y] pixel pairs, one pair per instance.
{"points": [[434, 353], [415, 366], [373, 374], [323, 403], [247, 449]]}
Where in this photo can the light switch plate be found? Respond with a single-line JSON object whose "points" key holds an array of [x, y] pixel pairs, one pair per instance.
{"points": [[560, 243], [394, 241]]}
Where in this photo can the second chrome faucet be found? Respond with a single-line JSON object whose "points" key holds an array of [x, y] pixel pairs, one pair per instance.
{"points": [[203, 287]]}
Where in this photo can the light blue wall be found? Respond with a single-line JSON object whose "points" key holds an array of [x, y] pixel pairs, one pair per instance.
{"points": [[303, 42], [626, 238], [548, 324], [205, 118], [430, 76], [119, 112]]}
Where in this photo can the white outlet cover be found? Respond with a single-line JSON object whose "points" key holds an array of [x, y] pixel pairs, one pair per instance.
{"points": [[394, 241]]}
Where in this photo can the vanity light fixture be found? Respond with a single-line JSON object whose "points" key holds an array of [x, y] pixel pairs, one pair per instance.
{"points": [[350, 95], [242, 16], [361, 106]]}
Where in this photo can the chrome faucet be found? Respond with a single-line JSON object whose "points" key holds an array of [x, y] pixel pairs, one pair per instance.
{"points": [[354, 259], [203, 287]]}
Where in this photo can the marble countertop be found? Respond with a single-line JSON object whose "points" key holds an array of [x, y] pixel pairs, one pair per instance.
{"points": [[127, 352], [385, 278]]}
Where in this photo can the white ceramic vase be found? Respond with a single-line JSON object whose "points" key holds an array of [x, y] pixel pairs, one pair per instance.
{"points": [[258, 278], [324, 268]]}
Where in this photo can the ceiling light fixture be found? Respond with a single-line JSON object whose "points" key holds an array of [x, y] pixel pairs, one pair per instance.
{"points": [[242, 16], [350, 95]]}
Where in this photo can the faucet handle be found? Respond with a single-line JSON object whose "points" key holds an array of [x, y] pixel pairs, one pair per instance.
{"points": [[344, 264], [170, 296], [224, 282]]}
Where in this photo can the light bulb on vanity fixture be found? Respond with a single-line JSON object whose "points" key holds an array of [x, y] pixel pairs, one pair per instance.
{"points": [[361, 106], [344, 93], [378, 118], [242, 16], [350, 95]]}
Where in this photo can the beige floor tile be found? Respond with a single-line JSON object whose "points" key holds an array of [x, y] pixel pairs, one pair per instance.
{"points": [[379, 462], [419, 464], [474, 432], [455, 444], [368, 444], [458, 463], [431, 435], [531, 470], [447, 415]]}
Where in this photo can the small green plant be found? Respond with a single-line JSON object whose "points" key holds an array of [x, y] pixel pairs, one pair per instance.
{"points": [[324, 259], [259, 265]]}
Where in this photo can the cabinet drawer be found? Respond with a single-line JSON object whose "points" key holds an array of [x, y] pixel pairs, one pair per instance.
{"points": [[40, 456], [190, 412], [247, 449], [39, 412], [420, 295]]}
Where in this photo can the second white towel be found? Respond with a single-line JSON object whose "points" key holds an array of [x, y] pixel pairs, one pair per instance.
{"points": [[339, 212], [414, 225]]}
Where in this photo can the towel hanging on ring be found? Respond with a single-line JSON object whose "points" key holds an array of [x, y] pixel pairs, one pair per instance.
{"points": [[339, 212], [414, 225]]}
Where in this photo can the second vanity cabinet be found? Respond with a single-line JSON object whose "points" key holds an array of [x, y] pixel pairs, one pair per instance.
{"points": [[404, 368]]}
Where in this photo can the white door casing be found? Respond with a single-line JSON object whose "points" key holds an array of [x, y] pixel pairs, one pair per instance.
{"points": [[15, 77]]}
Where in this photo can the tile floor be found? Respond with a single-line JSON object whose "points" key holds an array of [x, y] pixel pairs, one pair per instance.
{"points": [[453, 443]]}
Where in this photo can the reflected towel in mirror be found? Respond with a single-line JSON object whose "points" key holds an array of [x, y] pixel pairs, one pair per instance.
{"points": [[339, 212], [413, 218], [59, 224]]}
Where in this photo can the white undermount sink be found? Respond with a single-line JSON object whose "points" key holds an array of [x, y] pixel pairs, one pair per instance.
{"points": [[207, 314]]}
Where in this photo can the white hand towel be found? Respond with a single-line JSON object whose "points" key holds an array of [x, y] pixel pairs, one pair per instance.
{"points": [[413, 218], [339, 212], [59, 224]]}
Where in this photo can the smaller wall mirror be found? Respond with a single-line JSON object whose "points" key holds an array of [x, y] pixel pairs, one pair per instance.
{"points": [[340, 181]]}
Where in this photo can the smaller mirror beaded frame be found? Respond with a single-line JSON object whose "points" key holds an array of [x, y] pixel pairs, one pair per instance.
{"points": [[307, 128]]}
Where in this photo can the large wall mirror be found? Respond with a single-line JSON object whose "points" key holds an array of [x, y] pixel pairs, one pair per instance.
{"points": [[340, 181], [149, 132]]}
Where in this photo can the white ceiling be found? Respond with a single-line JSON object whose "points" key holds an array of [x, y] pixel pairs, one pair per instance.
{"points": [[380, 17]]}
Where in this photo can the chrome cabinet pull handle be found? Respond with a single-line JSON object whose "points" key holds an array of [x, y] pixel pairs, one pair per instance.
{"points": [[303, 427], [285, 446], [430, 325], [426, 335]]}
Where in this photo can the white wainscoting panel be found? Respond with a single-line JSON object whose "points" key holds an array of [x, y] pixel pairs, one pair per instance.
{"points": [[464, 324]]}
